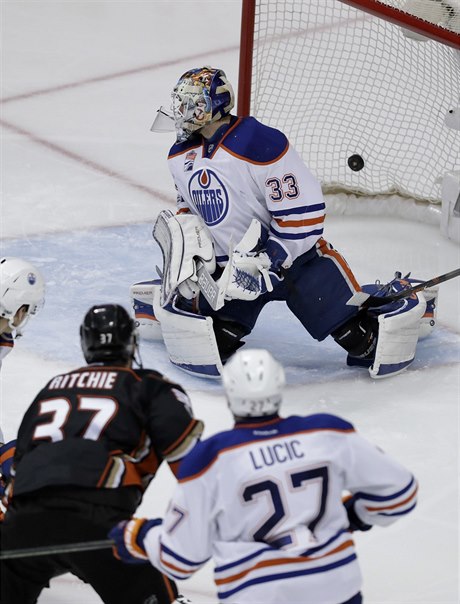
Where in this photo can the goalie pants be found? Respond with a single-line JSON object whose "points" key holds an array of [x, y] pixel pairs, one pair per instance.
{"points": [[44, 520], [316, 289]]}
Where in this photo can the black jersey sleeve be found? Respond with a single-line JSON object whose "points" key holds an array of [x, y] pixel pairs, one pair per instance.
{"points": [[171, 424]]}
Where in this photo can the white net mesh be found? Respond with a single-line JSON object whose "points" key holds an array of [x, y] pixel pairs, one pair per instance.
{"points": [[341, 82]]}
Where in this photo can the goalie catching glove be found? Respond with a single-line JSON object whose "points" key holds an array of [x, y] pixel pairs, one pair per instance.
{"points": [[129, 538]]}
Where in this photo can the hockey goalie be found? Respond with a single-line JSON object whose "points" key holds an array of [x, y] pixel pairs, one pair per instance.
{"points": [[188, 306], [249, 230]]}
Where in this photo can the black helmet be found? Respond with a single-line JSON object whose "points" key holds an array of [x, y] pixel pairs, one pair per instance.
{"points": [[107, 334]]}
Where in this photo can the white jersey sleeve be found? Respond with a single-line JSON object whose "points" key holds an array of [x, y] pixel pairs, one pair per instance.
{"points": [[383, 489], [183, 544]]}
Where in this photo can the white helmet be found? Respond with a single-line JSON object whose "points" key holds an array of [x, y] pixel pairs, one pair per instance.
{"points": [[20, 284], [253, 382]]}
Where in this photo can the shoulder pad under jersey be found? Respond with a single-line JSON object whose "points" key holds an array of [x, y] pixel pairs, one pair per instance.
{"points": [[255, 142]]}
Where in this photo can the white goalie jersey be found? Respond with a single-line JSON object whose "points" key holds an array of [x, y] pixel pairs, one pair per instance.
{"points": [[250, 172], [264, 501]]}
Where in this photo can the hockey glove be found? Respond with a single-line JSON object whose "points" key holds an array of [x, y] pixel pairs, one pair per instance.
{"points": [[129, 539], [356, 524], [249, 276], [6, 462]]}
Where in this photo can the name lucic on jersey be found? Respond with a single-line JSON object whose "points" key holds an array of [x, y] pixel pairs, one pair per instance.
{"points": [[278, 453]]}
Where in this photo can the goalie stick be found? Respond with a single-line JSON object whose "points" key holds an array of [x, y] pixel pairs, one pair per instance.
{"points": [[213, 291], [367, 300], [48, 550]]}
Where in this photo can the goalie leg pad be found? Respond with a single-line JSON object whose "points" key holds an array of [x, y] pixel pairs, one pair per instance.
{"points": [[398, 336], [147, 323], [189, 340], [428, 321]]}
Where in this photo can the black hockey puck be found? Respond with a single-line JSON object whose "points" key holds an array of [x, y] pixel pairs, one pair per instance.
{"points": [[355, 162]]}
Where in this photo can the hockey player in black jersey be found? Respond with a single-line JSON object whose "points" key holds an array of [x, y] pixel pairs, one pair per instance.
{"points": [[87, 448]]}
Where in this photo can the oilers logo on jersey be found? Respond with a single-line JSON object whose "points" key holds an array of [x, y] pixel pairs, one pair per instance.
{"points": [[209, 196]]}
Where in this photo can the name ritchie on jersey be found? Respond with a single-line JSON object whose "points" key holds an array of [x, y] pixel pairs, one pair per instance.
{"points": [[85, 379]]}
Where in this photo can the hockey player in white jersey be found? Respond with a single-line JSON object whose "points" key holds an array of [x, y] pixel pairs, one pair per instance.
{"points": [[22, 294], [252, 213], [265, 500]]}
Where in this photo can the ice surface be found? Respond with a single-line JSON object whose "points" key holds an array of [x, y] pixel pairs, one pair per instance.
{"points": [[83, 179]]}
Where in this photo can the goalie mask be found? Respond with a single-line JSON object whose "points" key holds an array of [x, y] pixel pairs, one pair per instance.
{"points": [[108, 334], [22, 285], [200, 97], [253, 382]]}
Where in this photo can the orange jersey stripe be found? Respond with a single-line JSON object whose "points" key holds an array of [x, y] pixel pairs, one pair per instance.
{"points": [[176, 568], [325, 249], [7, 455], [267, 563], [299, 223], [392, 507]]}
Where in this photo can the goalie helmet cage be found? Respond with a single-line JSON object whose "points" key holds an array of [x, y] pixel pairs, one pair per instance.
{"points": [[361, 88]]}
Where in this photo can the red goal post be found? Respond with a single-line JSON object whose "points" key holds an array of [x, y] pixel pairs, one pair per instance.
{"points": [[360, 87]]}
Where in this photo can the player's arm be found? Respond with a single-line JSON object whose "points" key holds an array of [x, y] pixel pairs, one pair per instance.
{"points": [[7, 451], [181, 543], [172, 427], [382, 490]]}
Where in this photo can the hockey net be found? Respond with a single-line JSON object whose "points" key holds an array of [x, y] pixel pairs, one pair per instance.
{"points": [[351, 87]]}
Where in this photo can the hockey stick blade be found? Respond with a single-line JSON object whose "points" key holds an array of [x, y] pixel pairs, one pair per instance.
{"points": [[49, 550], [367, 300], [214, 291], [210, 289]]}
